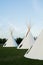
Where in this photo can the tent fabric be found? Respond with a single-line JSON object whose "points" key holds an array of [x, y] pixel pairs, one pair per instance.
{"points": [[10, 42], [27, 42], [37, 50]]}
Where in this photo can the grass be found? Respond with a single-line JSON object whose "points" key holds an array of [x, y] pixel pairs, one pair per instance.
{"points": [[13, 56]]}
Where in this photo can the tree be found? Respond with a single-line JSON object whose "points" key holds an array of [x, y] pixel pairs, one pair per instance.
{"points": [[1, 41], [18, 40], [4, 40]]}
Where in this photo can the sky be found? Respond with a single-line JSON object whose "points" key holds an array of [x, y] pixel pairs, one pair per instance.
{"points": [[16, 14]]}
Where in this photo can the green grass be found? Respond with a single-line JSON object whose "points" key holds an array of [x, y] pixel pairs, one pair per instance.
{"points": [[12, 56]]}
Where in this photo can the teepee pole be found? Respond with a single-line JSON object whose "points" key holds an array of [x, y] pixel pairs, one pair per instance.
{"points": [[28, 26]]}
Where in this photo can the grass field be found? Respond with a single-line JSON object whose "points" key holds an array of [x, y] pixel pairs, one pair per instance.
{"points": [[12, 56]]}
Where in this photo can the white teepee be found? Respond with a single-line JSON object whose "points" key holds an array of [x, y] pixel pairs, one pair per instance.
{"points": [[10, 42], [37, 50], [27, 41]]}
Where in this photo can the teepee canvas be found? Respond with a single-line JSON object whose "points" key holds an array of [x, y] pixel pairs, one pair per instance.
{"points": [[37, 50], [27, 41], [10, 42]]}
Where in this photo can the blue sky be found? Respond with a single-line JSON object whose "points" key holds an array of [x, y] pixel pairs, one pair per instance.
{"points": [[17, 13]]}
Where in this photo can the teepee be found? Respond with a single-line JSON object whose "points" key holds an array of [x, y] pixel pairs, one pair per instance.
{"points": [[10, 42], [37, 49], [27, 41]]}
